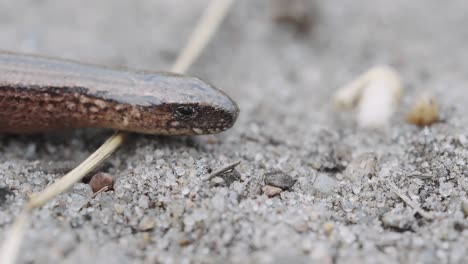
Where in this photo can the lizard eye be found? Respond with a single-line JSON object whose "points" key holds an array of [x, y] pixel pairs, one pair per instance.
{"points": [[185, 112]]}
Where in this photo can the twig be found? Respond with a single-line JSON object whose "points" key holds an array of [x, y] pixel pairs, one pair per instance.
{"points": [[12, 243], [222, 170], [204, 31], [200, 37], [103, 189], [409, 202], [421, 176]]}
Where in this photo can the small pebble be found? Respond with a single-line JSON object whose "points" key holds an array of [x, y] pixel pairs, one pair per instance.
{"points": [[271, 191], [179, 171], [146, 224], [328, 228], [324, 184], [143, 202], [364, 165], [185, 191], [463, 140], [184, 242], [119, 209], [446, 188], [101, 180], [279, 179], [425, 111]]}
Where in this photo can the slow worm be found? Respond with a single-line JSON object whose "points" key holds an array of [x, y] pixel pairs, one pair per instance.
{"points": [[39, 94]]}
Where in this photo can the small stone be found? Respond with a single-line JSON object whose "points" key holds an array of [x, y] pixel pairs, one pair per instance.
{"points": [[339, 177], [365, 165], [179, 171], [146, 224], [279, 179], [185, 191], [463, 140], [271, 191], [101, 180], [425, 111], [119, 209], [325, 184], [143, 202], [184, 242], [446, 188]]}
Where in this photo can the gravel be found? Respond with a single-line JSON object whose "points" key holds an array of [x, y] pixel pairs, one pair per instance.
{"points": [[162, 208]]}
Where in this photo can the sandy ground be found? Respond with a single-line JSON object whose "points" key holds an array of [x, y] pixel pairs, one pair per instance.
{"points": [[164, 210]]}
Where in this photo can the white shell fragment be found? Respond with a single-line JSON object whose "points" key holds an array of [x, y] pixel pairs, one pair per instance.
{"points": [[425, 111], [376, 93], [348, 96]]}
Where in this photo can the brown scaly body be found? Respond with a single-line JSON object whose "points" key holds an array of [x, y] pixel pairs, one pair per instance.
{"points": [[41, 94]]}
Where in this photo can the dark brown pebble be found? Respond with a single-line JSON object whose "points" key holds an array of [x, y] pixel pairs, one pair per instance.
{"points": [[101, 180]]}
